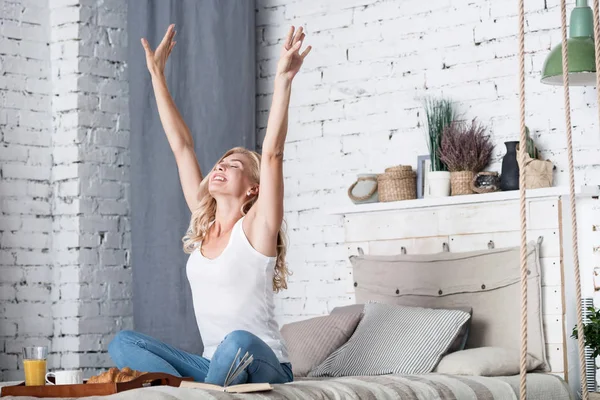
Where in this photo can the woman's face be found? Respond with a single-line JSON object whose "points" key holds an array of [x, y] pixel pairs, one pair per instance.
{"points": [[231, 176]]}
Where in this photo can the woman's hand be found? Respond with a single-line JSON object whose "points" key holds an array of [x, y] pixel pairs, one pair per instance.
{"points": [[157, 59], [291, 59]]}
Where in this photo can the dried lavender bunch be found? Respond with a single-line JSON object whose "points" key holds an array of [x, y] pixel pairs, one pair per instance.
{"points": [[466, 147]]}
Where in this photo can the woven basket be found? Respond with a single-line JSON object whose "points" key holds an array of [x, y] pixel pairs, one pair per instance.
{"points": [[460, 182], [397, 183]]}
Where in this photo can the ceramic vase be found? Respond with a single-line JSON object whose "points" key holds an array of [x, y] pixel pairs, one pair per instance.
{"points": [[509, 178], [438, 184]]}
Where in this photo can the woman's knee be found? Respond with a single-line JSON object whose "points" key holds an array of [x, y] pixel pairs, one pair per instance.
{"points": [[120, 341], [240, 339]]}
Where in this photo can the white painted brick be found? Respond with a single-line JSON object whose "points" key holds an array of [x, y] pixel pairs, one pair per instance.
{"points": [[8, 361], [25, 240], [70, 291], [96, 224], [69, 188], [70, 273], [66, 154], [270, 16], [31, 257], [102, 189], [112, 207], [35, 325], [97, 325], [65, 239], [68, 206], [88, 257], [65, 343], [329, 21], [64, 16], [33, 224], [119, 291], [13, 153], [116, 308], [385, 10], [11, 274], [102, 68], [69, 360], [40, 275], [63, 172], [38, 85], [25, 136], [7, 257], [110, 53], [32, 292], [7, 327]]}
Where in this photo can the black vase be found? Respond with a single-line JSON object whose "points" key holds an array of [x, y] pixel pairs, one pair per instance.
{"points": [[509, 179]]}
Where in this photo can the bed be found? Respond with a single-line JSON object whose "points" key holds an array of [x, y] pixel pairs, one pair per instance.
{"points": [[487, 281], [430, 386]]}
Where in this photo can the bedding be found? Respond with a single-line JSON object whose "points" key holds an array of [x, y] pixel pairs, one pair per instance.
{"points": [[485, 361], [458, 344], [311, 341], [540, 386], [395, 339]]}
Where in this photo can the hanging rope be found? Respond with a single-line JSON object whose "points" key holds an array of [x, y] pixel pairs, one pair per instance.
{"points": [[597, 47], [573, 204], [523, 208]]}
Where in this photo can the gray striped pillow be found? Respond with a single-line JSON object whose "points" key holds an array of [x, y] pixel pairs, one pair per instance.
{"points": [[394, 339]]}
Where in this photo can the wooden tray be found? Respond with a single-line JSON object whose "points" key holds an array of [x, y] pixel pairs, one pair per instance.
{"points": [[92, 389]]}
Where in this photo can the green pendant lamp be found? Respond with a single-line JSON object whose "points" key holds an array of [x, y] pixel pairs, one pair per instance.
{"points": [[582, 66]]}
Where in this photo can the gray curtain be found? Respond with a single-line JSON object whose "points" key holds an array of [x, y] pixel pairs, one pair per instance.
{"points": [[211, 75]]}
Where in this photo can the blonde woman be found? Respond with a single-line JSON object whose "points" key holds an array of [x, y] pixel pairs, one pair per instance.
{"points": [[235, 242]]}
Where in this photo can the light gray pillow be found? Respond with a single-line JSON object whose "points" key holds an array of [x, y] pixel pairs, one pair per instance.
{"points": [[485, 361], [395, 339], [309, 342]]}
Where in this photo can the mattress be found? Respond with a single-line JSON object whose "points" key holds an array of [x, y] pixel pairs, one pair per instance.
{"points": [[393, 387]]}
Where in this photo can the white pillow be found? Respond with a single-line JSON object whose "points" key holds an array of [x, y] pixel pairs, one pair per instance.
{"points": [[485, 361]]}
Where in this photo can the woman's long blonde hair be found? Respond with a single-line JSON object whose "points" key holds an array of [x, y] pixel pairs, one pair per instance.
{"points": [[207, 208]]}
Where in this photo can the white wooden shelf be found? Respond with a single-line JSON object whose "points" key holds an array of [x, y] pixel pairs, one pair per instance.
{"points": [[350, 208]]}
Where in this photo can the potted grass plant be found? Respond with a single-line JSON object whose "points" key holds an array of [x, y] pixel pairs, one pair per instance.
{"points": [[466, 149], [591, 335], [439, 114]]}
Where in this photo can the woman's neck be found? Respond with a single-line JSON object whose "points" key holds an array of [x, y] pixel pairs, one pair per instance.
{"points": [[226, 215]]}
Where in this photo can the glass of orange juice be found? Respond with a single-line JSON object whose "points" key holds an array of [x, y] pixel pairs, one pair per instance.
{"points": [[34, 364]]}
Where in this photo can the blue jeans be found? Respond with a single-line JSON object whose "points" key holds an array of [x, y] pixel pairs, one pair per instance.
{"points": [[143, 353]]}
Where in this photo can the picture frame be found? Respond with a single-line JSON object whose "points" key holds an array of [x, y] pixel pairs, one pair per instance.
{"points": [[423, 167]]}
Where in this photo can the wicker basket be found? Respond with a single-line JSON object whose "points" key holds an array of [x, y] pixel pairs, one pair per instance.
{"points": [[460, 182], [397, 183]]}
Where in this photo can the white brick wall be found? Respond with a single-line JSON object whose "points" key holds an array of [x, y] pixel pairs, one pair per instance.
{"points": [[64, 228], [25, 190], [356, 107]]}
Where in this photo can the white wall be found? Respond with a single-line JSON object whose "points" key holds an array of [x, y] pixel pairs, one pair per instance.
{"points": [[356, 107], [25, 189], [64, 230]]}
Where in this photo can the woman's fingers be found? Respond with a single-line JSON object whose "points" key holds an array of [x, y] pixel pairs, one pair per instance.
{"points": [[146, 46], [298, 35], [288, 38], [168, 35], [305, 52], [171, 48], [294, 48]]}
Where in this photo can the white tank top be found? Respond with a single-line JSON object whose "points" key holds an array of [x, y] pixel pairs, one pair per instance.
{"points": [[235, 292]]}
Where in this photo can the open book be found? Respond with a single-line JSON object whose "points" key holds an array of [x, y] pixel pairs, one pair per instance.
{"points": [[235, 369]]}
